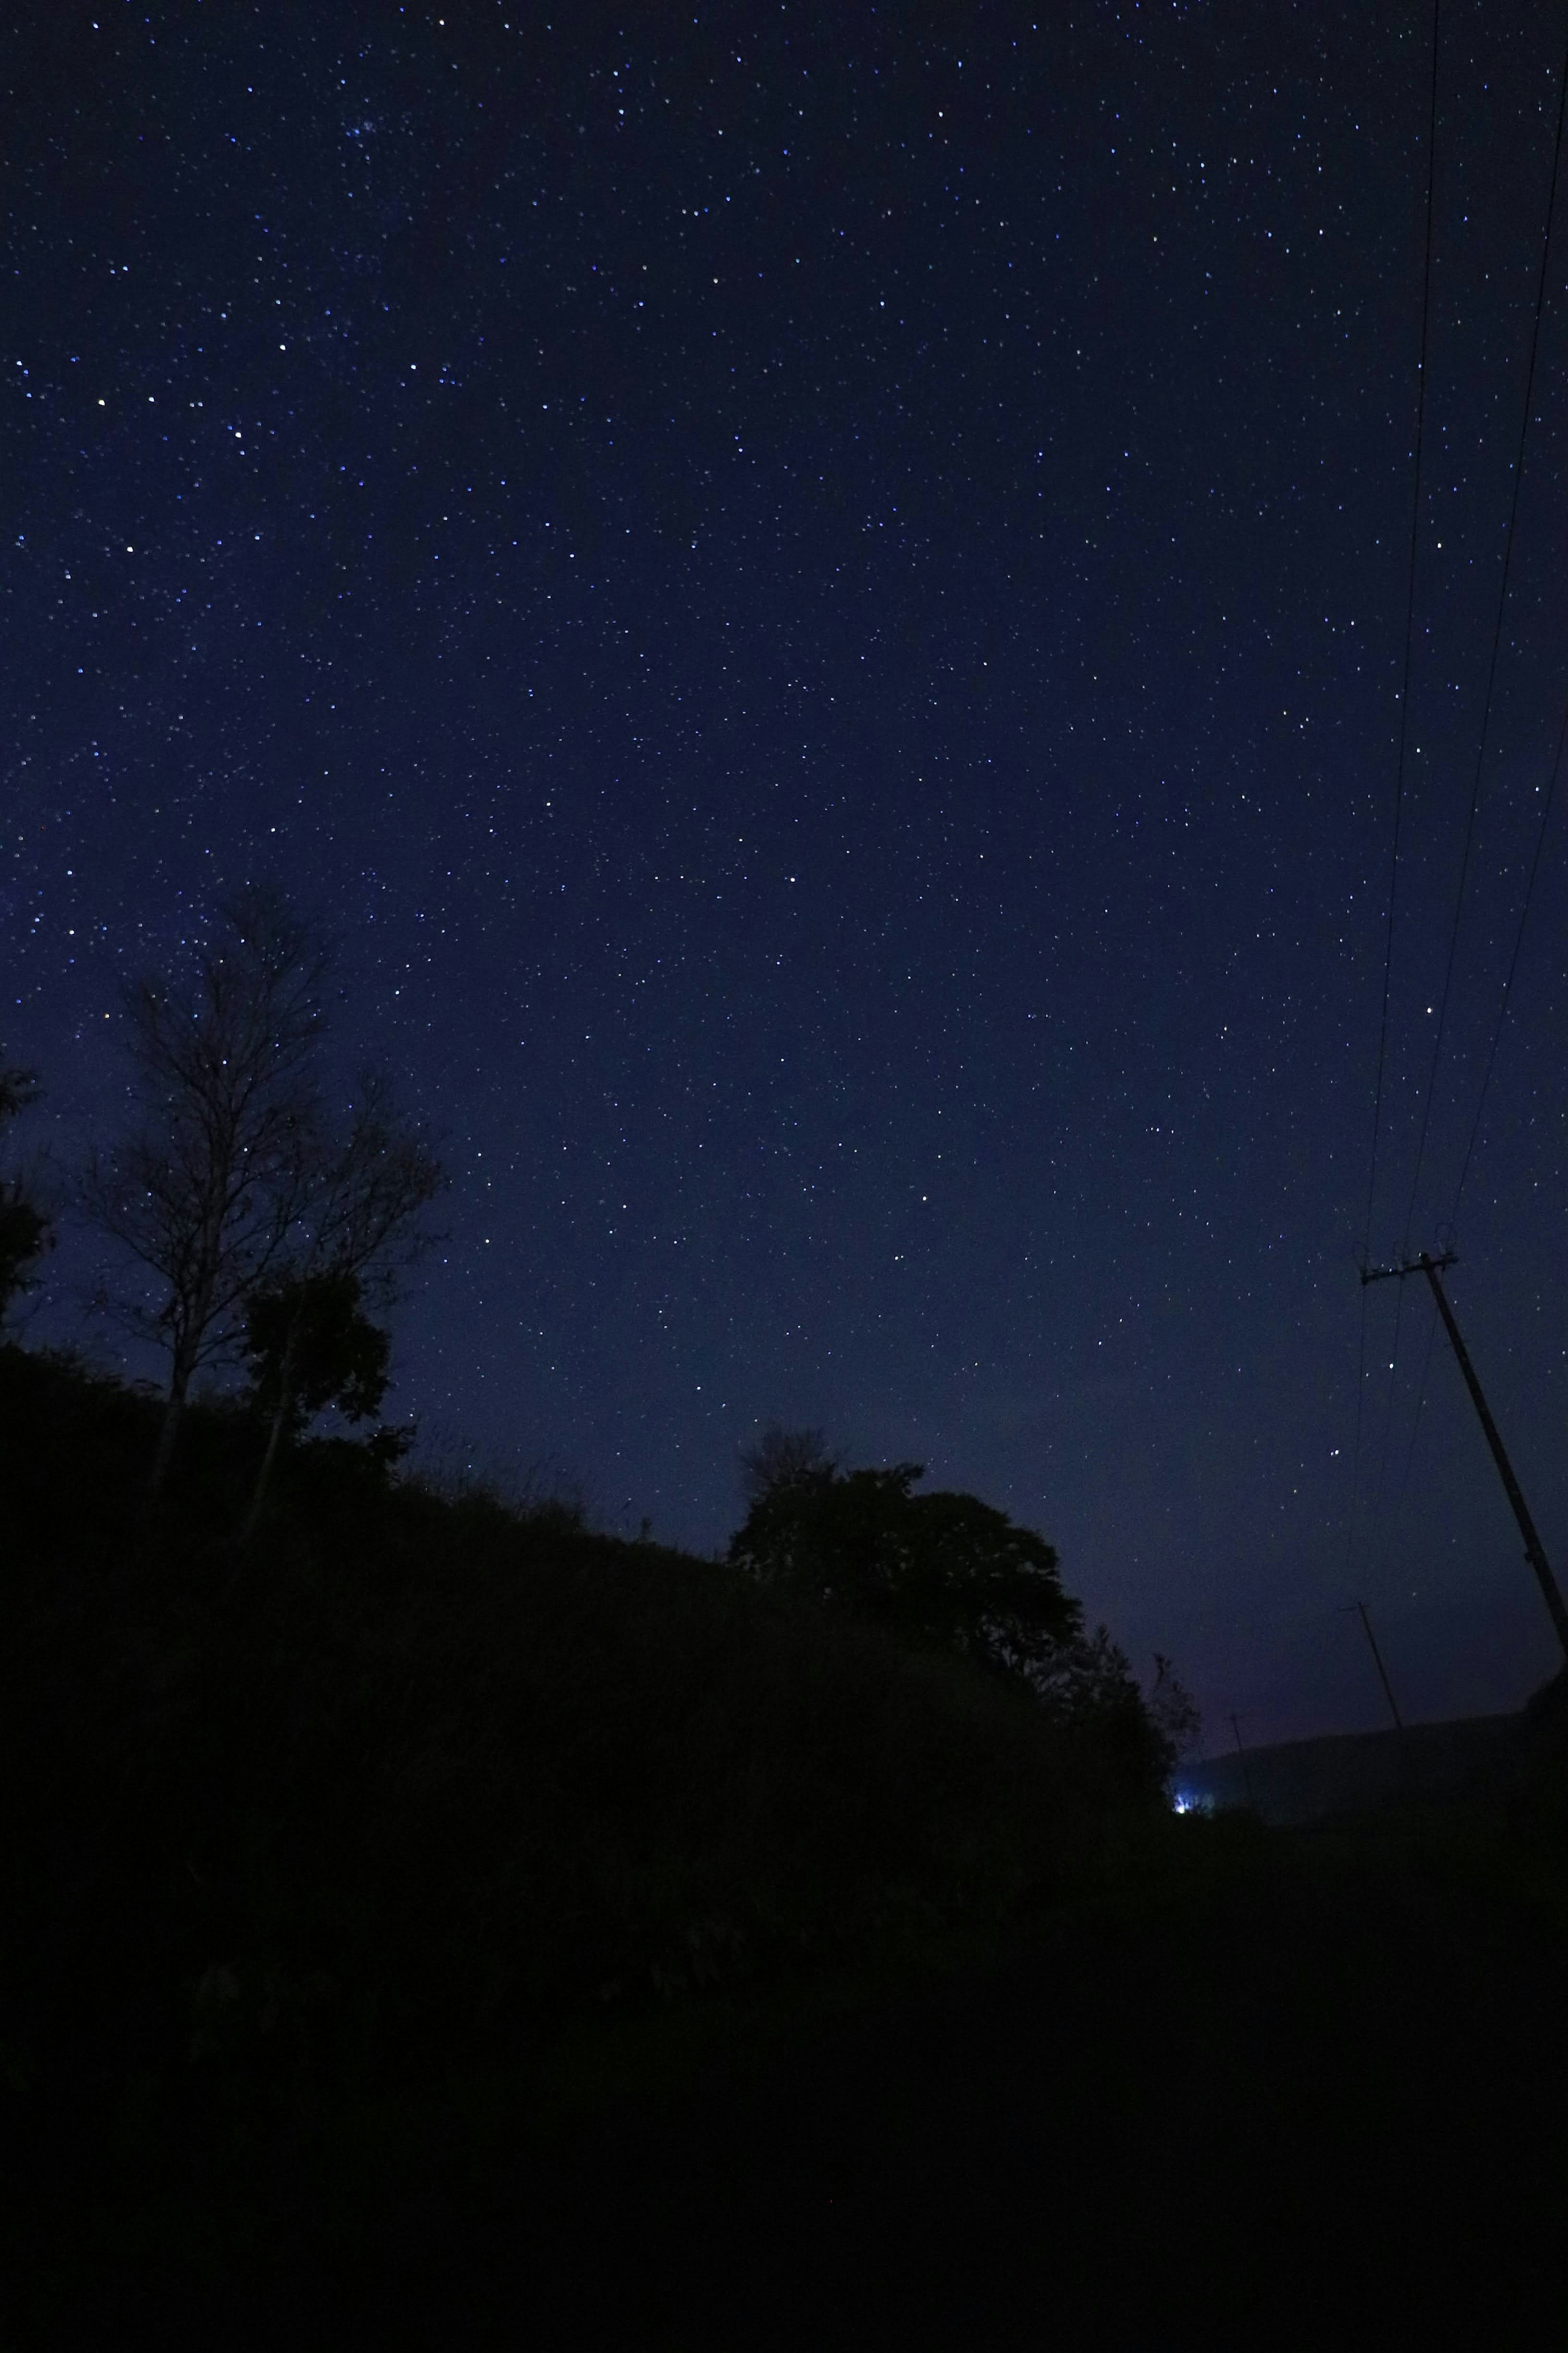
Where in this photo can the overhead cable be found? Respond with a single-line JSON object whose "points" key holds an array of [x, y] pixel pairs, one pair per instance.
{"points": [[1513, 961], [1492, 664], [1399, 776], [1409, 643]]}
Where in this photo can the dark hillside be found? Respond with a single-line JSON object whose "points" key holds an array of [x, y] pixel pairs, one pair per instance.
{"points": [[414, 1790], [433, 1926]]}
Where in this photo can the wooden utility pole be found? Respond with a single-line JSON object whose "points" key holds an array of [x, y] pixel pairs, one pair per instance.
{"points": [[1245, 1776], [1534, 1551], [1383, 1670]]}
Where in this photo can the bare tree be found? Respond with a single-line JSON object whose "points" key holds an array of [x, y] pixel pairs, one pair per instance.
{"points": [[367, 1195], [780, 1458], [1172, 1711], [26, 1228], [206, 1193], [358, 1226]]}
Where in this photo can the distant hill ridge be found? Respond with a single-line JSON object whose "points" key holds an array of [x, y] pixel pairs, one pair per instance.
{"points": [[1341, 1773]]}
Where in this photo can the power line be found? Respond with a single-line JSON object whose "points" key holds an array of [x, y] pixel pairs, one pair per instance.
{"points": [[1535, 1552], [1356, 1452], [1541, 831], [1492, 664], [1409, 643], [1399, 774], [1475, 1131], [1380, 1488], [1392, 1522], [1513, 960], [1420, 1404]]}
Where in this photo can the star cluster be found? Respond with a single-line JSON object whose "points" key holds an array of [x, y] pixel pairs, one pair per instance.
{"points": [[819, 596]]}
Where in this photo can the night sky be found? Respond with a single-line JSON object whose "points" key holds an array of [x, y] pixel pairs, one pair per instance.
{"points": [[820, 594]]}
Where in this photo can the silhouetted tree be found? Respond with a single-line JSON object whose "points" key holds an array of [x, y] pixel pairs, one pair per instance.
{"points": [[204, 1193], [1089, 1683], [945, 1568], [1172, 1710], [781, 1457], [359, 1228], [234, 1185], [25, 1230], [310, 1345]]}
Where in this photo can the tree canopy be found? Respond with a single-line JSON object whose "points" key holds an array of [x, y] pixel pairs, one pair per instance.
{"points": [[25, 1229], [942, 1567], [946, 1571], [235, 1185], [310, 1345]]}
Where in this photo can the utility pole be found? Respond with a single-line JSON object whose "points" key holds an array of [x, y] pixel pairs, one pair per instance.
{"points": [[1534, 1551], [1383, 1670], [1245, 1776]]}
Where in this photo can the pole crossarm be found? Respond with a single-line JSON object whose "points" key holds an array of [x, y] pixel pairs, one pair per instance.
{"points": [[1534, 1550], [1413, 1266]]}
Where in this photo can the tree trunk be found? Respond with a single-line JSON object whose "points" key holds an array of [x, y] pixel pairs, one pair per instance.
{"points": [[174, 1415], [274, 1435], [189, 1330]]}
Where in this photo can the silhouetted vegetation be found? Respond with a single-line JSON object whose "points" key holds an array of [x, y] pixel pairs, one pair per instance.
{"points": [[234, 1182], [25, 1227], [410, 1784], [309, 1344], [336, 1864], [947, 1572]]}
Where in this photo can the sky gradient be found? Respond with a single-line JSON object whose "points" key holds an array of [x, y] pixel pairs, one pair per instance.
{"points": [[818, 594]]}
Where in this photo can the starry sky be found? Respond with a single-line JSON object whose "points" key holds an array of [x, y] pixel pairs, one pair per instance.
{"points": [[819, 596]]}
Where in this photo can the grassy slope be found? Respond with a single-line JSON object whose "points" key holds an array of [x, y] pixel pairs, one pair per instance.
{"points": [[417, 1801], [341, 1882]]}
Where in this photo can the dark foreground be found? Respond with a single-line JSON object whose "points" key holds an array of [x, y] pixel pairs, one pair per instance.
{"points": [[1308, 2092], [428, 1922]]}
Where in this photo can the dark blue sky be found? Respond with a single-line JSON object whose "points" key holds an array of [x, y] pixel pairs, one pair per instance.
{"points": [[818, 593]]}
